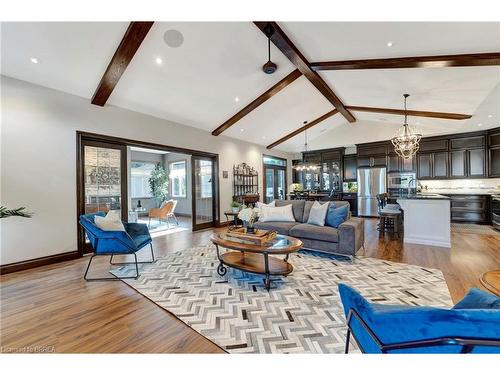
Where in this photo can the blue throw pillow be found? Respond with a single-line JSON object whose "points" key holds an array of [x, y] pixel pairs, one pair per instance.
{"points": [[478, 299], [336, 215]]}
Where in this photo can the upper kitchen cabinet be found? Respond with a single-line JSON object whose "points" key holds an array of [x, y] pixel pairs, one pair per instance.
{"points": [[372, 155], [494, 153], [350, 168]]}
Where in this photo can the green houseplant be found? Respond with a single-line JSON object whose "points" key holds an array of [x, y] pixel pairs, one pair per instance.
{"points": [[235, 206], [158, 183], [21, 211]]}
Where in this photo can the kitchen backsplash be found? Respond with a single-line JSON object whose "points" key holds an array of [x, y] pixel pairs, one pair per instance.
{"points": [[483, 183]]}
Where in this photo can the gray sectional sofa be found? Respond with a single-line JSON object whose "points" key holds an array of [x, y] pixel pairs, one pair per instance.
{"points": [[346, 240]]}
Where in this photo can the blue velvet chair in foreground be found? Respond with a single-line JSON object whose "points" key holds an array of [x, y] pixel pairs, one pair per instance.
{"points": [[471, 326], [135, 237]]}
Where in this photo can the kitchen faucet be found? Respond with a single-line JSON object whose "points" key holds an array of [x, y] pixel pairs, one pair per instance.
{"points": [[409, 185]]}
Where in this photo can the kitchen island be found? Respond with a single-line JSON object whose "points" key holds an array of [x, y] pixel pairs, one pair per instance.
{"points": [[426, 219]]}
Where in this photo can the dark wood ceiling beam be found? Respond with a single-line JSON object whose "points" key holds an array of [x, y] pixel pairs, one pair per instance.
{"points": [[131, 41], [391, 111], [472, 59], [303, 128], [257, 102], [285, 45]]}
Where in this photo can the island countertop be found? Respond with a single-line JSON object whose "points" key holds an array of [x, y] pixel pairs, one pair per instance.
{"points": [[419, 196]]}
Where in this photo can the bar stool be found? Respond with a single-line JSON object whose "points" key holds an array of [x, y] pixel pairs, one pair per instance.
{"points": [[390, 216]]}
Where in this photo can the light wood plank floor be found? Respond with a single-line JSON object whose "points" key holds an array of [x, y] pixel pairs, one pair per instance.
{"points": [[54, 306]]}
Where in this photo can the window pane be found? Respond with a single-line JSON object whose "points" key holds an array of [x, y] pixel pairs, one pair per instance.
{"points": [[140, 172], [274, 161], [178, 179]]}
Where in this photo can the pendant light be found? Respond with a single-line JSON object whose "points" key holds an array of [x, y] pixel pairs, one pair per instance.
{"points": [[303, 165], [269, 67], [406, 140]]}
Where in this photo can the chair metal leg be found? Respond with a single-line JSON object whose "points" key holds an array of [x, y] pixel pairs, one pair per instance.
{"points": [[346, 351], [124, 263], [114, 278]]}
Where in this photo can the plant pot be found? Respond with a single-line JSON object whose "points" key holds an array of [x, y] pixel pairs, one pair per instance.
{"points": [[250, 230], [235, 210]]}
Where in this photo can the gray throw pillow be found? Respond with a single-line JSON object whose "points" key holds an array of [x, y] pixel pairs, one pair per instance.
{"points": [[318, 213]]}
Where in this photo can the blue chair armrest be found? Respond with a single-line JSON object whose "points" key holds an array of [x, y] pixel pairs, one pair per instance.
{"points": [[136, 229]]}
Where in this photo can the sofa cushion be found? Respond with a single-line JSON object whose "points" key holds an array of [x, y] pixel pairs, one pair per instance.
{"points": [[282, 227], [297, 207], [315, 232], [478, 299]]}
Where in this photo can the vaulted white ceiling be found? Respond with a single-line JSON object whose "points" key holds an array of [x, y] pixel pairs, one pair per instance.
{"points": [[197, 83]]}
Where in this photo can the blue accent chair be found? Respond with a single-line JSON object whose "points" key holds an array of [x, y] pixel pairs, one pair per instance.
{"points": [[413, 329], [135, 237]]}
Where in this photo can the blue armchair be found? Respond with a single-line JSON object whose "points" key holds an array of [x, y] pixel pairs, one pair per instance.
{"points": [[472, 326], [135, 237]]}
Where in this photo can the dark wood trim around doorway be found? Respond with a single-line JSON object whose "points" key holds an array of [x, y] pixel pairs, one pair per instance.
{"points": [[280, 167]]}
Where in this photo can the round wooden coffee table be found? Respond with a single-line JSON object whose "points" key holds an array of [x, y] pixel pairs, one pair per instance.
{"points": [[491, 281], [255, 258]]}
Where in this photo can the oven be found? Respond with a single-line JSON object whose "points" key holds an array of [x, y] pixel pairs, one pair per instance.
{"points": [[401, 180], [495, 211]]}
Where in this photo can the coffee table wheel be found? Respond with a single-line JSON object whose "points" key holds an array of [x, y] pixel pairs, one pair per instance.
{"points": [[221, 270]]}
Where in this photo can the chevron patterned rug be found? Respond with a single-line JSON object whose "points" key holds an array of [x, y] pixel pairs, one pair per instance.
{"points": [[302, 313]]}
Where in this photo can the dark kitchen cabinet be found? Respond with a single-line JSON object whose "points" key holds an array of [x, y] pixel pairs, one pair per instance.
{"points": [[424, 166], [372, 161], [408, 165], [470, 208], [466, 143], [350, 168], [440, 164], [476, 163], [458, 166], [352, 198], [432, 165], [433, 145], [396, 163], [494, 154], [371, 150], [393, 163], [494, 162]]}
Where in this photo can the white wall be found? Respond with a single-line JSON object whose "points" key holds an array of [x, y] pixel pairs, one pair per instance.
{"points": [[38, 161]]}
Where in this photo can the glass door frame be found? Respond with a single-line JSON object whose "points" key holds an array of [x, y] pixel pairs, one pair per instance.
{"points": [[215, 193], [111, 141], [276, 167], [82, 141]]}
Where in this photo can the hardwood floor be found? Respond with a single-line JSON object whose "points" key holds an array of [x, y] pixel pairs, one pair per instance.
{"points": [[52, 306]]}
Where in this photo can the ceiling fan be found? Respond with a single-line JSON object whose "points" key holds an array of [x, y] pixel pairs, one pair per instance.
{"points": [[269, 67]]}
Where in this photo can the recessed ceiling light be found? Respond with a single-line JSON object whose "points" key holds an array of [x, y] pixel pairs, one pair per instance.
{"points": [[242, 130], [159, 60], [389, 44], [34, 60], [263, 137], [490, 116], [479, 124], [236, 99]]}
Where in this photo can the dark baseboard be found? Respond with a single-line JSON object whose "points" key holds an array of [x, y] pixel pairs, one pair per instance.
{"points": [[37, 262]]}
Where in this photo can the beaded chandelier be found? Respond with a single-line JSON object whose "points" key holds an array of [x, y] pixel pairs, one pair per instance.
{"points": [[406, 140]]}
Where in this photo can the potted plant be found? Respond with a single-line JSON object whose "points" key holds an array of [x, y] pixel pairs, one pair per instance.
{"points": [[158, 183], [235, 207], [5, 212], [248, 216]]}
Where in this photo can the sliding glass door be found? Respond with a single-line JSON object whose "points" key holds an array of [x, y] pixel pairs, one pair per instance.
{"points": [[102, 169], [204, 193]]}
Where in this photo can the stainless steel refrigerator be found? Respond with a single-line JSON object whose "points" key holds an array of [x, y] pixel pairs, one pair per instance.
{"points": [[371, 181]]}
